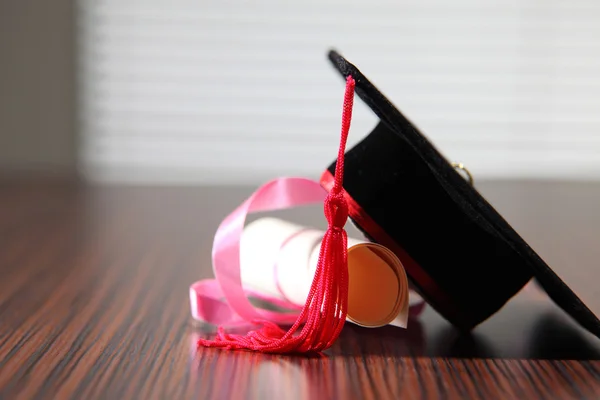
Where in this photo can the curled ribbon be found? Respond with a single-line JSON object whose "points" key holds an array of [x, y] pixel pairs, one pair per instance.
{"points": [[224, 301]]}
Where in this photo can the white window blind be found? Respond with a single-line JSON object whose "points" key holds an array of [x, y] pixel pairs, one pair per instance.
{"points": [[231, 91]]}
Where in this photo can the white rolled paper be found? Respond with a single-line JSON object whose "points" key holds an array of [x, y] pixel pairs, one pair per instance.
{"points": [[278, 258]]}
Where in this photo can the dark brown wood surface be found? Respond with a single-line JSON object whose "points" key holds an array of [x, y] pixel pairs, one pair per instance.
{"points": [[94, 304]]}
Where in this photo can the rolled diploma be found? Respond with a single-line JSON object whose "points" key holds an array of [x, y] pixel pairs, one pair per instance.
{"points": [[278, 258]]}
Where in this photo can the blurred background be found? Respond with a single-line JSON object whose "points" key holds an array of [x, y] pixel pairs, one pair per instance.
{"points": [[239, 91]]}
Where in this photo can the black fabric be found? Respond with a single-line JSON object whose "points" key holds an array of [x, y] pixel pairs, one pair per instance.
{"points": [[402, 181]]}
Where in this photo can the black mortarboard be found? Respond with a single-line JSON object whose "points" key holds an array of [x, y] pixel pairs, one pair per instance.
{"points": [[459, 252]]}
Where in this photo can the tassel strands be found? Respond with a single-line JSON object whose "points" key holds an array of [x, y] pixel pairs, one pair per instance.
{"points": [[323, 316]]}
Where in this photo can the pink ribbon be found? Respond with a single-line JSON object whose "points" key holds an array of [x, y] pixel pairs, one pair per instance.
{"points": [[223, 300]]}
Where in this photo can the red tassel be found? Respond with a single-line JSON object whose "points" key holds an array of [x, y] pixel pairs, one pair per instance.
{"points": [[324, 312]]}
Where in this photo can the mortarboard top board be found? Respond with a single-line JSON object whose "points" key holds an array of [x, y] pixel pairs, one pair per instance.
{"points": [[458, 251]]}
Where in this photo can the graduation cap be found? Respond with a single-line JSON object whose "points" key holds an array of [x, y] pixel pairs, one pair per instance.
{"points": [[458, 251]]}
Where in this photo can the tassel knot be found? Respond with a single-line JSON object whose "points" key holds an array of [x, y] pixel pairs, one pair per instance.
{"points": [[336, 210]]}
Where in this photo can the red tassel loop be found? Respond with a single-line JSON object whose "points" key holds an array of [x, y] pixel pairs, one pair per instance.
{"points": [[324, 313]]}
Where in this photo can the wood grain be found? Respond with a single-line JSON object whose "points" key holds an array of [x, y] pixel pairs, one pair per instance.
{"points": [[94, 304]]}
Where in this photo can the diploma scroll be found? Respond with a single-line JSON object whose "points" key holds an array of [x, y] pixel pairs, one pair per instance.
{"points": [[278, 258]]}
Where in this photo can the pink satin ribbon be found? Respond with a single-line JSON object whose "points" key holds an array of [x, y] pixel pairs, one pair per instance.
{"points": [[223, 300]]}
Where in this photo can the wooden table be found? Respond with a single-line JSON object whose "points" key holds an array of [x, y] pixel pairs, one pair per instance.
{"points": [[94, 304]]}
